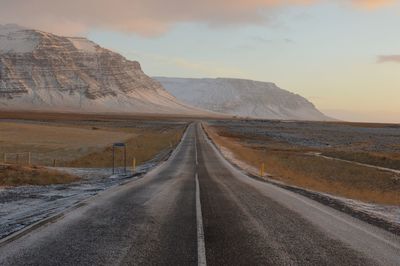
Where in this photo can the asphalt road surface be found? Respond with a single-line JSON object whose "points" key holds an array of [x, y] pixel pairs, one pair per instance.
{"points": [[197, 209]]}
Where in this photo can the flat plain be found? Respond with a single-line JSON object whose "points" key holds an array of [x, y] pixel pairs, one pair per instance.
{"points": [[79, 141], [343, 159]]}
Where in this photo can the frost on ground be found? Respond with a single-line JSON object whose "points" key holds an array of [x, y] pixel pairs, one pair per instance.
{"points": [[390, 214], [23, 206]]}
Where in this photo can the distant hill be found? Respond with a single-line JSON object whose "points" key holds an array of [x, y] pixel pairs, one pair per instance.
{"points": [[43, 71], [245, 98]]}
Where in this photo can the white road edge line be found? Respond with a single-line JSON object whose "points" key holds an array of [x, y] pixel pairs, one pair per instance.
{"points": [[201, 248]]}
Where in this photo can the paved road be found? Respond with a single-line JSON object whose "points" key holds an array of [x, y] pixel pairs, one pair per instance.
{"points": [[197, 209]]}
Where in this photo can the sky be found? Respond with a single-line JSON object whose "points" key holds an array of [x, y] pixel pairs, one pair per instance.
{"points": [[342, 55]]}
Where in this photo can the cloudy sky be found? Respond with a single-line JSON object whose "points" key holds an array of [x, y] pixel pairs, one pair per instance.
{"points": [[343, 55]]}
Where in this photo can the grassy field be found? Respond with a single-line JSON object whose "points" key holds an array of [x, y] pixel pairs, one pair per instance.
{"points": [[48, 142], [17, 175], [78, 143], [82, 145], [291, 164], [142, 145], [387, 160]]}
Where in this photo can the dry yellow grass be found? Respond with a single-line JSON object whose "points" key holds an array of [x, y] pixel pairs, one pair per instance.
{"points": [[143, 146], [388, 160], [57, 136], [15, 175], [83, 146], [78, 145], [294, 167], [53, 142]]}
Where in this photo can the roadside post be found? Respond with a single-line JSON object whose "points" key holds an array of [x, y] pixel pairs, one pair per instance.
{"points": [[262, 169], [125, 159], [118, 145], [134, 164], [113, 160]]}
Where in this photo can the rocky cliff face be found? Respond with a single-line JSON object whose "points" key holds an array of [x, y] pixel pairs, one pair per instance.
{"points": [[245, 98], [39, 70]]}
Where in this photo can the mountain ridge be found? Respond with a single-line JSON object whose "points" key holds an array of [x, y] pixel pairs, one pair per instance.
{"points": [[44, 71], [242, 97]]}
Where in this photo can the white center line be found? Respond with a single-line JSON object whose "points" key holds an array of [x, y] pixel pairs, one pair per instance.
{"points": [[195, 149], [201, 248]]}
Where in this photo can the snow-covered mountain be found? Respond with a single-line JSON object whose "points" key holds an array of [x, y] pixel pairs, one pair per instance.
{"points": [[43, 71], [244, 98]]}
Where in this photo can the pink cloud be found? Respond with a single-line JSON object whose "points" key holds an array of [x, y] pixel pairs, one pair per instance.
{"points": [[372, 4], [388, 58], [150, 17]]}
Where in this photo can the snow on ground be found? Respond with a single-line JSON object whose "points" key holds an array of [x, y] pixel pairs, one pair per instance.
{"points": [[26, 205], [387, 213]]}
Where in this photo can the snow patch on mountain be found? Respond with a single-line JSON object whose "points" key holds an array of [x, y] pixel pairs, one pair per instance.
{"points": [[84, 44], [244, 98], [16, 39]]}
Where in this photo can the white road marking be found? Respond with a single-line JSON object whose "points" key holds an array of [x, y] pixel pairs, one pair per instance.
{"points": [[201, 248], [195, 149]]}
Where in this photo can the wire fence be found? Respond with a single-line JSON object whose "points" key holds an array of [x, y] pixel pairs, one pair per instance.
{"points": [[18, 158]]}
